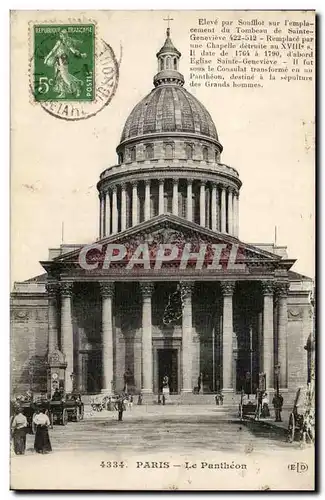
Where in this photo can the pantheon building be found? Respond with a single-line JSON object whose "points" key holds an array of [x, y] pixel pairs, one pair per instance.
{"points": [[229, 316]]}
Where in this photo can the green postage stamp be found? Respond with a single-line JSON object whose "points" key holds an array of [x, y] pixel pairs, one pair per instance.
{"points": [[64, 59]]}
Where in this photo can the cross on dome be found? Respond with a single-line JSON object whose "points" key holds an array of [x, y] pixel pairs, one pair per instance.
{"points": [[168, 19]]}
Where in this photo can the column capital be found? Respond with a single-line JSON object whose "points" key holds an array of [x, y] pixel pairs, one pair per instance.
{"points": [[66, 289], [267, 287], [114, 188], [175, 180], [52, 289], [107, 289], [134, 183], [187, 288], [123, 184], [227, 287], [147, 289], [203, 182], [147, 182], [282, 288], [161, 180]]}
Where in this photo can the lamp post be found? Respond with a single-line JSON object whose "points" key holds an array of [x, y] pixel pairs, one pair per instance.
{"points": [[277, 374], [73, 378]]}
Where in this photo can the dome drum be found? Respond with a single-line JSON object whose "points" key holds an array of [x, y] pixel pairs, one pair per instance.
{"points": [[208, 203], [170, 148]]}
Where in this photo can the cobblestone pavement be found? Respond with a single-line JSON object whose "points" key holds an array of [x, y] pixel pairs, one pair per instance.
{"points": [[148, 433]]}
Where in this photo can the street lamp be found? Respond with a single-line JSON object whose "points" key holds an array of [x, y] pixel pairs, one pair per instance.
{"points": [[277, 374]]}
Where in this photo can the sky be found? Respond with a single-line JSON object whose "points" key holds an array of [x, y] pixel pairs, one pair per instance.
{"points": [[267, 135]]}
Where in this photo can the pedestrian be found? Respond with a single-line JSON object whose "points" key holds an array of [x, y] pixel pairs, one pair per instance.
{"points": [[139, 399], [265, 406], [18, 429], [110, 404], [120, 408], [42, 442], [277, 402]]}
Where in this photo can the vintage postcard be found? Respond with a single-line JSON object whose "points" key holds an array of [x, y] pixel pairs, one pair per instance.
{"points": [[162, 235]]}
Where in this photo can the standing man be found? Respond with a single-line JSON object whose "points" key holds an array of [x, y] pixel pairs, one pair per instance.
{"points": [[120, 408], [277, 402]]}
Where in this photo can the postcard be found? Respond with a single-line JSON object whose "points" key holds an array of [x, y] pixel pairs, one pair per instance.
{"points": [[162, 250]]}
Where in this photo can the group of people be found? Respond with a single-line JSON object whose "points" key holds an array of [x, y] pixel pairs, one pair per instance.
{"points": [[263, 409], [19, 428]]}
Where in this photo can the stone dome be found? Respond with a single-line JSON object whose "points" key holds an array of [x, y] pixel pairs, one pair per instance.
{"points": [[169, 108]]}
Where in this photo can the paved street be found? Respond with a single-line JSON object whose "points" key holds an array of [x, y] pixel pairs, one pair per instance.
{"points": [[154, 433]]}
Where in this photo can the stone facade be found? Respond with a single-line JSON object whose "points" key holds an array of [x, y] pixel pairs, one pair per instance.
{"points": [[214, 327]]}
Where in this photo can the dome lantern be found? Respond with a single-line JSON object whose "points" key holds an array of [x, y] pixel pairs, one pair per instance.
{"points": [[168, 64]]}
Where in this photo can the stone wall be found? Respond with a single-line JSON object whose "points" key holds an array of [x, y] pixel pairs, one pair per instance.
{"points": [[28, 346]]}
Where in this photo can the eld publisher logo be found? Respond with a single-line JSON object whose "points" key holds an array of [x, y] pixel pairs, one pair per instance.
{"points": [[298, 467]]}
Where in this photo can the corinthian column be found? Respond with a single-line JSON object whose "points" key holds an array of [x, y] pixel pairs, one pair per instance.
{"points": [[227, 288], [135, 203], [189, 206], [223, 210], [214, 207], [282, 293], [52, 290], [236, 215], [123, 206], [67, 332], [101, 215], [147, 375], [147, 199], [230, 213], [108, 214], [107, 292], [161, 208], [268, 333], [202, 204], [175, 197], [187, 336], [114, 211]]}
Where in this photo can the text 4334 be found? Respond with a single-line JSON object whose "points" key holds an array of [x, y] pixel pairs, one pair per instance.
{"points": [[112, 465]]}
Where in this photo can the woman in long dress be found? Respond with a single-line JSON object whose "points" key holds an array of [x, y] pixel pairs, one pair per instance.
{"points": [[42, 442], [58, 57], [18, 429]]}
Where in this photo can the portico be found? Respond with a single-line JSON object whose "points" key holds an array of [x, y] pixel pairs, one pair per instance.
{"points": [[229, 326]]}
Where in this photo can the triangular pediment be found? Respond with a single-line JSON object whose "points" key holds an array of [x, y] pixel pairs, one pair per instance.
{"points": [[176, 235]]}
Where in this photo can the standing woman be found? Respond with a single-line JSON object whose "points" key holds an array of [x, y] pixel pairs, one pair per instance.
{"points": [[18, 429], [42, 442]]}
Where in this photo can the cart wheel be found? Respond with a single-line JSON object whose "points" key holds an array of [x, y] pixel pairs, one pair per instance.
{"points": [[291, 428], [64, 417]]}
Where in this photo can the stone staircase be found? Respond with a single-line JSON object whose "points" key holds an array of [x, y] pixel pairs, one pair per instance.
{"points": [[177, 399]]}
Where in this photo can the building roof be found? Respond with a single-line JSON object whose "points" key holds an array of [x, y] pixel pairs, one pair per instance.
{"points": [[169, 108]]}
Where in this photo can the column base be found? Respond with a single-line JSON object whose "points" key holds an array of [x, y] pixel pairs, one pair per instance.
{"points": [[106, 391], [229, 396], [147, 391], [186, 391]]}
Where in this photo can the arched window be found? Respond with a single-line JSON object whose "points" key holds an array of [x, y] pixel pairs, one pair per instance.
{"points": [[168, 63], [161, 64], [175, 63], [132, 154], [120, 158], [149, 152], [189, 151], [217, 156], [169, 151], [205, 153]]}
